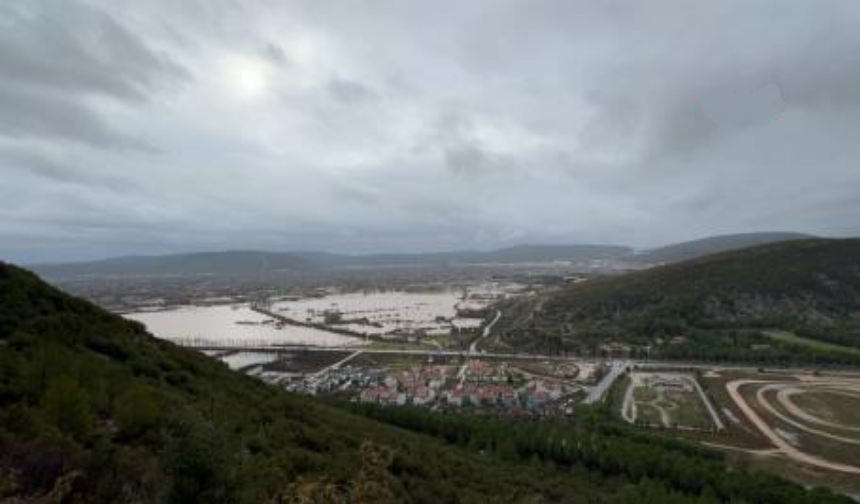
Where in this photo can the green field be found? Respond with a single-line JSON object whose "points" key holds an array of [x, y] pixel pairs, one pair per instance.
{"points": [[648, 414], [679, 408], [643, 394], [832, 407], [691, 412], [792, 338]]}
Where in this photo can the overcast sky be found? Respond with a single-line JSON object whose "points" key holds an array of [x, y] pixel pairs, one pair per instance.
{"points": [[131, 126]]}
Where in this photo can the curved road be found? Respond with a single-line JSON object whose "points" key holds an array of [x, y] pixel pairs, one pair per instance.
{"points": [[473, 348], [598, 391], [786, 448], [770, 409]]}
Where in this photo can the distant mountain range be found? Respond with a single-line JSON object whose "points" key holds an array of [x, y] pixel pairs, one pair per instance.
{"points": [[260, 262], [509, 255]]}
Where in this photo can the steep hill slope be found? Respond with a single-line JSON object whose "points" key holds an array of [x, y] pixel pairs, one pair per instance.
{"points": [[94, 410], [711, 245], [805, 284]]}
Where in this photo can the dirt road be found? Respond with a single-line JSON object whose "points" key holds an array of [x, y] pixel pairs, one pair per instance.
{"points": [[784, 447]]}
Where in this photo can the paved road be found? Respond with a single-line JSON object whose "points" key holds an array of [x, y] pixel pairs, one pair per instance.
{"points": [[847, 373], [336, 365], [599, 390], [473, 348], [713, 411], [383, 351], [628, 410]]}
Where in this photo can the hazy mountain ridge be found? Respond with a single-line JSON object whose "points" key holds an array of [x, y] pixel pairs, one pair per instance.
{"points": [[515, 254], [263, 262], [260, 262]]}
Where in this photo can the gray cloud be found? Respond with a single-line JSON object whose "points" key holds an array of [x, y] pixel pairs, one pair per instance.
{"points": [[466, 159], [57, 58], [75, 48], [45, 115], [742, 106], [54, 170], [315, 124], [275, 54], [349, 91]]}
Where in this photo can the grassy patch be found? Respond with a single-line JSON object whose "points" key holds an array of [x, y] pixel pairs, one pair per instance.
{"points": [[691, 412], [831, 407], [644, 394], [648, 414], [792, 338]]}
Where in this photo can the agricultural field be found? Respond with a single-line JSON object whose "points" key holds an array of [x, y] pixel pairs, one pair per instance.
{"points": [[668, 400]]}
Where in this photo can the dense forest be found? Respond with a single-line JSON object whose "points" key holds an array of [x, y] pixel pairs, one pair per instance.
{"points": [[726, 301], [95, 410]]}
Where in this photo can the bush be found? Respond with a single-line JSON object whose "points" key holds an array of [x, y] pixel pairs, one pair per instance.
{"points": [[137, 411], [67, 406]]}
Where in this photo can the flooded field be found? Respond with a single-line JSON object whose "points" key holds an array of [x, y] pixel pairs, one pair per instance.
{"points": [[373, 313], [390, 312], [234, 324]]}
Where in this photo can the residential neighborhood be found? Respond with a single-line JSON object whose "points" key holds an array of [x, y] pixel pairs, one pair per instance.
{"points": [[499, 387]]}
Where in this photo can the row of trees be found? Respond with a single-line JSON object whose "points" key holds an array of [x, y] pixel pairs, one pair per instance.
{"points": [[596, 445], [750, 346]]}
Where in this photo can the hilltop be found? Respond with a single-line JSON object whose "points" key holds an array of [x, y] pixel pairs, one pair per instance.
{"points": [[93, 409], [807, 285], [711, 245]]}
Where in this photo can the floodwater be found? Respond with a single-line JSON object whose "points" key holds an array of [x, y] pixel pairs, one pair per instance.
{"points": [[233, 324], [245, 359], [383, 312]]}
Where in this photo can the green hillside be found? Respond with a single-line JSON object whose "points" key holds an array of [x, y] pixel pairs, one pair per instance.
{"points": [[711, 245], [810, 286], [94, 410]]}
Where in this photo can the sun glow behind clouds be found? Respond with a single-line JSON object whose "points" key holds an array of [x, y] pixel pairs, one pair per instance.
{"points": [[247, 78]]}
